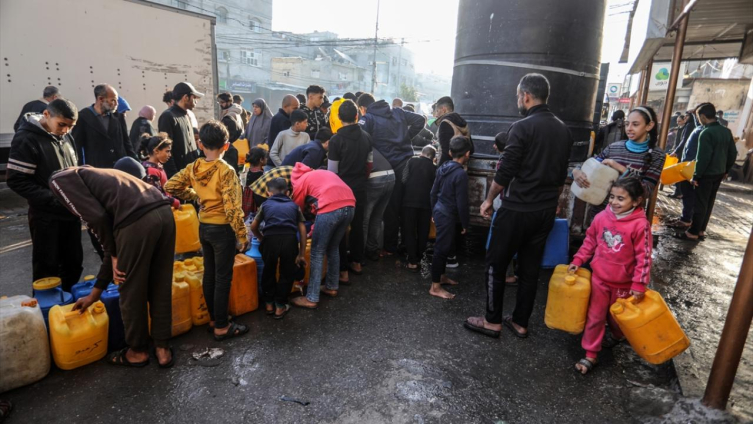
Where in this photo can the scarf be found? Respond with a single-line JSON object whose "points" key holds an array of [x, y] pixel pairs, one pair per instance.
{"points": [[257, 130], [637, 147]]}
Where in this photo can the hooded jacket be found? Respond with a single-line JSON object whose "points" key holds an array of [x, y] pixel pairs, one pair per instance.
{"points": [[105, 200], [392, 130], [311, 154], [621, 249], [35, 155], [418, 180], [218, 189], [34, 106], [257, 131], [319, 191], [535, 161], [97, 146], [231, 118], [350, 156], [449, 194], [445, 133]]}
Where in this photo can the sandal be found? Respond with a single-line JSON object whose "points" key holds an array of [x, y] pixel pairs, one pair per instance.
{"points": [[172, 358], [119, 359], [350, 269], [679, 224], [5, 408], [480, 328], [270, 311], [234, 330], [609, 341], [507, 321], [684, 236], [588, 365], [298, 303], [284, 312], [328, 292]]}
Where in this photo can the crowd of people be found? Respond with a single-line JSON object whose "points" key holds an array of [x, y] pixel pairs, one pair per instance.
{"points": [[333, 173]]}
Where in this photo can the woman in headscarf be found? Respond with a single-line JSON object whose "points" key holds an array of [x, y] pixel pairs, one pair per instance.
{"points": [[258, 127]]}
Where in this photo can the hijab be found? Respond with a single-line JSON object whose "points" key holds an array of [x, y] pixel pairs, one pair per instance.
{"points": [[257, 130]]}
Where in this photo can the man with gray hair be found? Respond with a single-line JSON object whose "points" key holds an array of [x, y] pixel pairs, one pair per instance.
{"points": [[49, 94], [532, 175], [99, 136], [142, 125]]}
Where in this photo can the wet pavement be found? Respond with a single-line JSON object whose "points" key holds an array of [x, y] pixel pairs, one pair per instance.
{"points": [[385, 351], [697, 281]]}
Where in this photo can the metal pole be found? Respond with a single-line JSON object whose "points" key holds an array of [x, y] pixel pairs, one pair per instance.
{"points": [[732, 342], [646, 82], [374, 62], [399, 65], [670, 100]]}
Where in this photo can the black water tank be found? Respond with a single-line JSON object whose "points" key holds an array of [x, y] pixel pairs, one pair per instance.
{"points": [[499, 41]]}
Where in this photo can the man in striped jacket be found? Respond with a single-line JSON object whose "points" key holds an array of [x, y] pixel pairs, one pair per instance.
{"points": [[41, 146]]}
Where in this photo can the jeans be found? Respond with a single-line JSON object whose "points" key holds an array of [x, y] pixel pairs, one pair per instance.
{"points": [[705, 196], [688, 201], [356, 234], [281, 249], [524, 233], [56, 248], [393, 211], [218, 244], [416, 228], [377, 197], [329, 230]]}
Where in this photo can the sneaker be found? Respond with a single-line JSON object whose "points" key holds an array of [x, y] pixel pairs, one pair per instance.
{"points": [[452, 262]]}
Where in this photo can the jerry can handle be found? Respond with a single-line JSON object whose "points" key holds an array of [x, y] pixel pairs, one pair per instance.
{"points": [[629, 303]]}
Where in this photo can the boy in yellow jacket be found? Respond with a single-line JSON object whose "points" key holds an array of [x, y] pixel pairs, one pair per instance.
{"points": [[213, 182]]}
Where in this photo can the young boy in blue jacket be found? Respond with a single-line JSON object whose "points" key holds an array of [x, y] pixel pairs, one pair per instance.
{"points": [[449, 201]]}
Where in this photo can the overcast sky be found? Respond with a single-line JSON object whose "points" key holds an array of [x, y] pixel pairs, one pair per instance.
{"points": [[428, 26]]}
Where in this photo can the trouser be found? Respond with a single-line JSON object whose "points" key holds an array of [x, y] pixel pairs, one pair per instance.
{"points": [[218, 245], [145, 251], [705, 196], [602, 297], [281, 249], [393, 211], [356, 234], [688, 201], [329, 230], [56, 248], [97, 245], [523, 233], [445, 225], [416, 228], [377, 197]]}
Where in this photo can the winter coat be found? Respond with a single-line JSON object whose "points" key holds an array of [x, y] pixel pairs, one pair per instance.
{"points": [[96, 146], [716, 151], [279, 123], [392, 130], [140, 126], [34, 106], [231, 118], [449, 194], [418, 180], [311, 154], [258, 127], [176, 122], [319, 191], [621, 249], [35, 155], [446, 132], [316, 121], [350, 148]]}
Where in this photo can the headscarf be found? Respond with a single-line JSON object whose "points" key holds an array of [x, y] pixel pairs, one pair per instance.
{"points": [[257, 130]]}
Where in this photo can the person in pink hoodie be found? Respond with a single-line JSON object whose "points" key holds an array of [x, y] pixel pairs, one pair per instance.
{"points": [[322, 194], [619, 240]]}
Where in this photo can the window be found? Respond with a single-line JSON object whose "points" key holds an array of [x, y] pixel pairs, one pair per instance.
{"points": [[404, 62], [285, 73], [394, 61], [315, 73], [221, 14], [181, 4], [250, 57], [224, 56], [254, 25], [342, 76]]}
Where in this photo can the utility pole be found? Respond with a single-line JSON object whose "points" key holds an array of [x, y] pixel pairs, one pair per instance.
{"points": [[374, 61], [400, 65]]}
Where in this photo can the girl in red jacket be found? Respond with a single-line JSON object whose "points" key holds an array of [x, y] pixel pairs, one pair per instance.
{"points": [[157, 150], [619, 240]]}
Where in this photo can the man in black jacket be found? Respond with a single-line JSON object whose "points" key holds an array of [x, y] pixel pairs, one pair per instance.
{"points": [[533, 172], [449, 124], [142, 125], [49, 94], [99, 135], [177, 124], [41, 146], [281, 121]]}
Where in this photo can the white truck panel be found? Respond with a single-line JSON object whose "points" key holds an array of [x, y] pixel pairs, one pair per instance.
{"points": [[140, 48]]}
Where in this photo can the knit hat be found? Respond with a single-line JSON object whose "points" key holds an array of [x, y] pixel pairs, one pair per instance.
{"points": [[123, 105], [131, 167]]}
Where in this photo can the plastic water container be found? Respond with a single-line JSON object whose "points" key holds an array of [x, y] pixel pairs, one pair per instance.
{"points": [[199, 310], [182, 320], [48, 293], [83, 288], [255, 254], [557, 245], [116, 331], [670, 160], [186, 229], [244, 291], [25, 347], [650, 327], [78, 338], [674, 174], [600, 178], [567, 303]]}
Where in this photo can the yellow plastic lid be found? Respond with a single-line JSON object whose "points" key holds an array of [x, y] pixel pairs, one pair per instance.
{"points": [[46, 283], [188, 262], [617, 308], [570, 280], [98, 308], [179, 276], [89, 277]]}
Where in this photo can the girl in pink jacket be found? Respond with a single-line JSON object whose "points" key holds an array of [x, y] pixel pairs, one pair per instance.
{"points": [[619, 240]]}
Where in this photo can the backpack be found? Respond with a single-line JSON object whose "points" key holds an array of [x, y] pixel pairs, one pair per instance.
{"points": [[457, 131]]}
